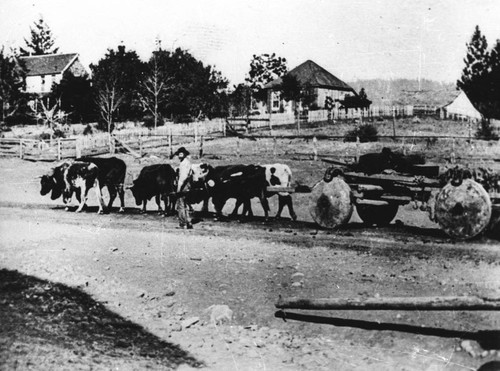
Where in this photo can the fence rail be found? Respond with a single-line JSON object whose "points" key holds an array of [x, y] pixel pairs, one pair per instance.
{"points": [[143, 139]]}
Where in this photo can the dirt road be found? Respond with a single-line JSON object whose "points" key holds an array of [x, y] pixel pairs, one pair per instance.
{"points": [[157, 285]]}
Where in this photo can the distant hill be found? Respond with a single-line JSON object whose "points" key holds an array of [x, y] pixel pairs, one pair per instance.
{"points": [[406, 91]]}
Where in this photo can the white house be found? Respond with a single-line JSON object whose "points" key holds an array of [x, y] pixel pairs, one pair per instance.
{"points": [[44, 70], [310, 75], [460, 108]]}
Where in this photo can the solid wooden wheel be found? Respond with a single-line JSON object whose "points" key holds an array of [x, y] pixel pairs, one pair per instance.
{"points": [[463, 211], [330, 203], [380, 215]]}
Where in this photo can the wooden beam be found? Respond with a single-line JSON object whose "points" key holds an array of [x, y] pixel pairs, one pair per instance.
{"points": [[392, 303]]}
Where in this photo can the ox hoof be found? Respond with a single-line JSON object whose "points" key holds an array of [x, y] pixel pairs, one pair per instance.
{"points": [[294, 217], [121, 211], [100, 212], [66, 208]]}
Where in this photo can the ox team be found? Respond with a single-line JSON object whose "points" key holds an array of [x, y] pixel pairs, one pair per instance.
{"points": [[178, 188]]}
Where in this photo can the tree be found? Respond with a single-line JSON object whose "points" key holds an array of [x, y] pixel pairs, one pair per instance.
{"points": [[76, 97], [116, 82], [264, 68], [292, 90], [480, 80], [240, 100], [356, 100], [42, 41], [155, 85], [12, 83], [197, 90]]}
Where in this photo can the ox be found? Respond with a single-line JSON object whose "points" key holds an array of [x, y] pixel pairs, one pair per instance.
{"points": [[241, 182], [112, 172], [79, 177], [277, 175], [155, 181]]}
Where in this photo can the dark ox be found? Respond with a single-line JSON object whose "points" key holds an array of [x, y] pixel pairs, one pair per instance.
{"points": [[242, 182], [111, 174], [277, 175], [155, 181]]}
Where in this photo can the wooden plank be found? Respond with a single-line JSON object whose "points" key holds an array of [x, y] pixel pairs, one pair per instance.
{"points": [[399, 199], [369, 188], [389, 180], [392, 303], [364, 201]]}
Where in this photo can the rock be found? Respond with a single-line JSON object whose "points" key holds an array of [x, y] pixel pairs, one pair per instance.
{"points": [[466, 345], [187, 323], [113, 248], [107, 268], [177, 327], [170, 293], [96, 259], [297, 276], [219, 314], [297, 284]]}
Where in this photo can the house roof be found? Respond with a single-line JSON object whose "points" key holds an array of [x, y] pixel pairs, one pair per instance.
{"points": [[310, 73], [49, 64]]}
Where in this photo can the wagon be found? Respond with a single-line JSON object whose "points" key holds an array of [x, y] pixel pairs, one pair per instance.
{"points": [[464, 202]]}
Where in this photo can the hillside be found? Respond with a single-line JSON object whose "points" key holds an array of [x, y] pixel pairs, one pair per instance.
{"points": [[406, 91]]}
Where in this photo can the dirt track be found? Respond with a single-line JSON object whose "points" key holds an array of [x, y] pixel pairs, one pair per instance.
{"points": [[159, 277]]}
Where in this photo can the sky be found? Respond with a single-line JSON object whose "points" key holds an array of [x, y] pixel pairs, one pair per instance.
{"points": [[353, 39]]}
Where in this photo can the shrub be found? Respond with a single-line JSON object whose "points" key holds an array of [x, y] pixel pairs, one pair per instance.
{"points": [[149, 121], [486, 131], [366, 133], [88, 130]]}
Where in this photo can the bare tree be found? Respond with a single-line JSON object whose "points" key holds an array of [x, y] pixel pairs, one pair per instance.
{"points": [[108, 101], [154, 88], [51, 116]]}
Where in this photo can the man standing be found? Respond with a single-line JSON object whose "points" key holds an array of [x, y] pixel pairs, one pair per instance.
{"points": [[184, 209]]}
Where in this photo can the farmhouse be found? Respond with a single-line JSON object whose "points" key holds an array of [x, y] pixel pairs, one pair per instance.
{"points": [[460, 108], [311, 76], [44, 70]]}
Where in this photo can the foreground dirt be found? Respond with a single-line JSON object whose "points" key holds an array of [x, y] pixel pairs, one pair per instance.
{"points": [[148, 272], [130, 291]]}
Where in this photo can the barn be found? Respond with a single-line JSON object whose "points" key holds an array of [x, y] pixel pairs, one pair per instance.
{"points": [[311, 75], [44, 70]]}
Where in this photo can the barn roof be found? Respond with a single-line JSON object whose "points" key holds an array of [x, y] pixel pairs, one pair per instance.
{"points": [[49, 64], [312, 74]]}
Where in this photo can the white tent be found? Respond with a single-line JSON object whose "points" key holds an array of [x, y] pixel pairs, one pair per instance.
{"points": [[461, 108]]}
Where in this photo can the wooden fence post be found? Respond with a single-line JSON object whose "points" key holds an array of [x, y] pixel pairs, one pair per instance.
{"points": [[21, 143], [275, 147], [170, 141], [315, 149], [140, 145], [195, 133], [357, 149], [238, 153], [394, 122], [78, 148], [59, 149], [201, 146]]}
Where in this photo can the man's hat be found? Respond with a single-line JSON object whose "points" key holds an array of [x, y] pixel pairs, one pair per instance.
{"points": [[179, 151]]}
